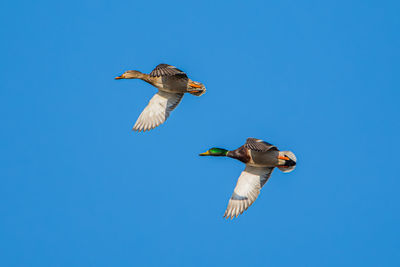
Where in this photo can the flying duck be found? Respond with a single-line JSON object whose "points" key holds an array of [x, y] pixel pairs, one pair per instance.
{"points": [[260, 158], [171, 83]]}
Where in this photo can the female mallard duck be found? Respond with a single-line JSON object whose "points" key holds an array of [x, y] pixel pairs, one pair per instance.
{"points": [[260, 158], [172, 83]]}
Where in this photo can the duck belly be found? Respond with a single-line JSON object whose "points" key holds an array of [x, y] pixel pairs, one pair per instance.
{"points": [[264, 159], [174, 85]]}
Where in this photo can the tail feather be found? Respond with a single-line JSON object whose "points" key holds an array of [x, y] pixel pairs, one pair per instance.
{"points": [[197, 91], [291, 156]]}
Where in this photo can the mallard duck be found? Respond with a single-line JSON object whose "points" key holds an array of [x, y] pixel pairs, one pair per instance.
{"points": [[260, 158], [171, 83]]}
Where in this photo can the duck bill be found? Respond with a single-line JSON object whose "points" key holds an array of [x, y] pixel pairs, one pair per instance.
{"points": [[205, 154], [120, 77], [284, 158]]}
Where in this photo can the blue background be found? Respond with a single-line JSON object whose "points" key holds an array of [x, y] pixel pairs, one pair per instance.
{"points": [[79, 188]]}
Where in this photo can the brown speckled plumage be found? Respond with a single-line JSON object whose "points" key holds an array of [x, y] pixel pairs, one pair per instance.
{"points": [[172, 83]]}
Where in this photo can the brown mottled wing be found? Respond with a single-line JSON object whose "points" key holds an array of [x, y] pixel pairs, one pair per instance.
{"points": [[247, 189], [163, 70], [259, 145]]}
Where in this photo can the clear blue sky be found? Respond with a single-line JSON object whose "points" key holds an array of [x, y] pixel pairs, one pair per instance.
{"points": [[79, 188]]}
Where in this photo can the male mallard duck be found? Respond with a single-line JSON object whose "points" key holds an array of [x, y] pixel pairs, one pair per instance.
{"points": [[260, 158], [172, 83]]}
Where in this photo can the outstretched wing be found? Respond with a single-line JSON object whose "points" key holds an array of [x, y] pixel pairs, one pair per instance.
{"points": [[259, 145], [163, 70], [157, 111], [247, 189]]}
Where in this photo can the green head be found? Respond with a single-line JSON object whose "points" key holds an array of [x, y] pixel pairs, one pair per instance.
{"points": [[216, 152]]}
